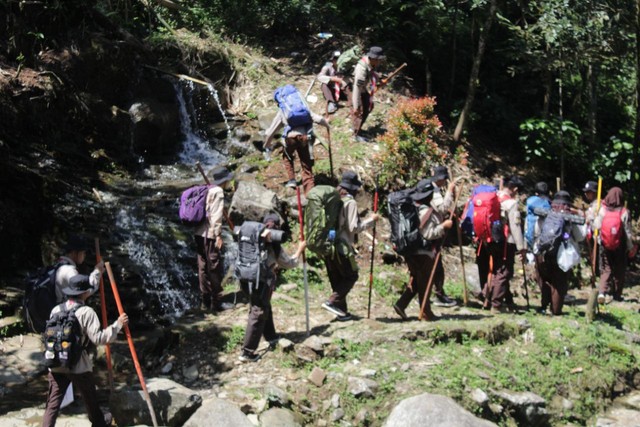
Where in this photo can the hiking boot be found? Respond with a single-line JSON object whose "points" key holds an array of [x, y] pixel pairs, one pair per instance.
{"points": [[444, 301], [292, 183], [332, 107], [618, 298], [248, 357], [400, 312], [333, 309], [223, 306], [569, 299], [347, 316]]}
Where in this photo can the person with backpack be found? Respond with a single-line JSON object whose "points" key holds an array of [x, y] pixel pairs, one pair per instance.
{"points": [[208, 240], [364, 76], [533, 222], [271, 257], [73, 364], [557, 233], [330, 83], [75, 255], [442, 205], [503, 250], [616, 243], [420, 261], [341, 264], [297, 137]]}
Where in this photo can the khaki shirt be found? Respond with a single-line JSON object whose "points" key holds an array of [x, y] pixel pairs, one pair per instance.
{"points": [[362, 78], [349, 223], [597, 223], [211, 227], [441, 204], [91, 331], [66, 272], [279, 122], [328, 71], [511, 217]]}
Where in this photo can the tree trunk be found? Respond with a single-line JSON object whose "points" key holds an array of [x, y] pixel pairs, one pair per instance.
{"points": [[593, 105], [454, 40], [475, 71], [427, 76], [636, 136]]}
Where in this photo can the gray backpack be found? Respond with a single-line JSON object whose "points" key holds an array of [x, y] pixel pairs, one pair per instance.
{"points": [[251, 264]]}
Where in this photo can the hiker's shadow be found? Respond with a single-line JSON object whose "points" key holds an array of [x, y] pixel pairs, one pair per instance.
{"points": [[300, 336]]}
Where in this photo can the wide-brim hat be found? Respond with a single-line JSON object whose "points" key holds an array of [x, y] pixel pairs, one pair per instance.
{"points": [[440, 172], [221, 174], [78, 284], [350, 181], [515, 181], [562, 197], [590, 186], [423, 190], [375, 52], [76, 243]]}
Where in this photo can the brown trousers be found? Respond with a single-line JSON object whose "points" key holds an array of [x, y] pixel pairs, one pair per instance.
{"points": [[260, 322], [360, 116], [342, 277], [553, 282], [482, 261], [420, 266], [498, 291], [84, 383], [210, 269], [613, 266], [293, 145]]}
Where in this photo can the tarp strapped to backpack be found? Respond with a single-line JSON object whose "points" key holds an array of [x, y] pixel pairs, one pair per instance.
{"points": [[293, 107], [40, 296], [62, 338], [321, 215], [612, 229], [533, 203], [404, 218], [193, 204], [251, 264]]}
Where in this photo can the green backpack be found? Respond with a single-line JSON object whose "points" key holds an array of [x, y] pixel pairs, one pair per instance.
{"points": [[348, 60], [321, 216]]}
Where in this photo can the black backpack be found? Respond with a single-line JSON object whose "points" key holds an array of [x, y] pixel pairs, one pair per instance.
{"points": [[251, 264], [550, 237], [405, 222], [40, 296], [62, 339]]}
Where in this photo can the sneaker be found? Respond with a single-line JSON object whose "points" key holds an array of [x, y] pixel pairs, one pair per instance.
{"points": [[292, 183], [248, 357], [332, 107], [618, 298], [400, 312], [444, 301], [223, 306], [333, 309], [344, 318], [273, 343], [601, 298]]}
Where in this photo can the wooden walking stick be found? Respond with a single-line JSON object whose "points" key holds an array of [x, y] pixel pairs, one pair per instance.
{"points": [[465, 296], [103, 309], [206, 179], [435, 264], [526, 286], [132, 348], [373, 247], [304, 260]]}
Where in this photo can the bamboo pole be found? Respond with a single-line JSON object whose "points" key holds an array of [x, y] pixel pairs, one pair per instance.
{"points": [[103, 309], [304, 261]]}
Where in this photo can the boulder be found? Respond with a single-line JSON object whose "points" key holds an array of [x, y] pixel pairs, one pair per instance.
{"points": [[173, 404], [224, 413], [155, 128], [434, 411], [280, 417], [527, 408], [28, 417], [251, 202]]}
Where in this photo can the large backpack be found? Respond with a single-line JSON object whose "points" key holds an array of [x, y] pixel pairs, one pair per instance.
{"points": [[404, 218], [40, 296], [251, 264], [533, 203], [293, 107], [62, 339], [487, 221], [321, 214], [551, 233], [467, 222], [348, 59], [611, 230], [193, 204]]}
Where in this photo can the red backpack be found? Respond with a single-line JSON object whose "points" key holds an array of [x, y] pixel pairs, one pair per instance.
{"points": [[486, 215], [611, 229]]}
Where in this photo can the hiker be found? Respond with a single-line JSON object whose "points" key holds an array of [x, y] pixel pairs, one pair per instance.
{"points": [[75, 252], [260, 322], [498, 293], [78, 290], [533, 222], [616, 243], [590, 194], [341, 265], [421, 261], [442, 205], [296, 138], [331, 84], [552, 278], [364, 77], [208, 239]]}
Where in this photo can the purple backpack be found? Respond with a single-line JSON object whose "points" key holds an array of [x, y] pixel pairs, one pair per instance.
{"points": [[193, 204]]}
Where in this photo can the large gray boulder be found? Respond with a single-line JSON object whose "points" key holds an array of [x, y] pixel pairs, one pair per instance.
{"points": [[219, 412], [172, 403], [251, 202], [280, 417], [434, 411]]}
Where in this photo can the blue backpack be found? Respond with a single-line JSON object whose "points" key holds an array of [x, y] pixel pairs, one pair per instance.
{"points": [[294, 108], [467, 222], [534, 202]]}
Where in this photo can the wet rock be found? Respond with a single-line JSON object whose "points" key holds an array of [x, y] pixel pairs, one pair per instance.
{"points": [[317, 376], [223, 412], [528, 408], [276, 396], [434, 411], [362, 387], [173, 403], [280, 417], [155, 128], [251, 202]]}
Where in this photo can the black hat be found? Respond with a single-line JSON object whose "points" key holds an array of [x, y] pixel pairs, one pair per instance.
{"points": [[271, 217], [562, 197], [424, 189], [590, 186], [221, 174], [350, 181], [375, 52], [440, 172], [76, 243], [542, 188], [515, 181], [78, 284]]}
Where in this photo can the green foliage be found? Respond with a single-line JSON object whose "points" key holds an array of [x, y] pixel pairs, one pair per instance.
{"points": [[232, 338], [544, 141], [616, 160]]}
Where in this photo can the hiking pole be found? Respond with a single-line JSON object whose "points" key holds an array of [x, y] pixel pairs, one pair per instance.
{"points": [[526, 286], [435, 264], [206, 179], [309, 88], [595, 237], [373, 247], [132, 348], [103, 309], [304, 260]]}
